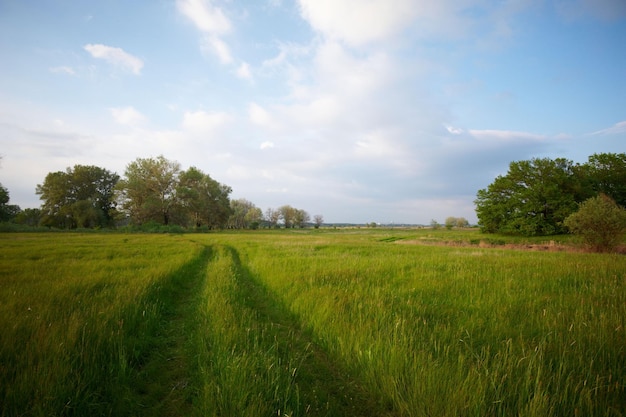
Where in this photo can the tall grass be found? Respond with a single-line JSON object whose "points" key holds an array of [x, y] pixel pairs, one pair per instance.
{"points": [[254, 358], [80, 316], [307, 323], [458, 331]]}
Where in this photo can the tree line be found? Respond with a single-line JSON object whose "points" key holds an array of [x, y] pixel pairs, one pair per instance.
{"points": [[153, 192], [536, 196]]}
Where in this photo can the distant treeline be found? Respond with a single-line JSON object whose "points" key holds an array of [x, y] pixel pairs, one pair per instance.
{"points": [[154, 194]]}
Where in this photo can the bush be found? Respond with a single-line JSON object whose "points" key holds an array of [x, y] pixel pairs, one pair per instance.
{"points": [[600, 222]]}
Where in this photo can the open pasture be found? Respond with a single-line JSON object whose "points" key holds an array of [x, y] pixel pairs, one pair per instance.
{"points": [[295, 323]]}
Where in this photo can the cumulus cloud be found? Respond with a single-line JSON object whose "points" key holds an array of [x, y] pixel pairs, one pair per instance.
{"points": [[127, 115], [116, 57], [358, 21]]}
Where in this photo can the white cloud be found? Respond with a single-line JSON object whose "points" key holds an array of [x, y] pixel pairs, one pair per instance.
{"points": [[616, 129], [63, 70], [267, 145], [204, 122], [115, 56], [127, 115], [244, 71], [379, 144], [505, 135], [261, 117], [218, 47], [361, 23], [358, 21], [454, 130], [212, 22], [207, 17]]}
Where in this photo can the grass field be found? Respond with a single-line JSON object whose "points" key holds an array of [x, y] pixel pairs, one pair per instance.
{"points": [[295, 323]]}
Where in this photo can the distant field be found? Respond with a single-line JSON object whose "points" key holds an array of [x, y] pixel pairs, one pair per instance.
{"points": [[359, 322]]}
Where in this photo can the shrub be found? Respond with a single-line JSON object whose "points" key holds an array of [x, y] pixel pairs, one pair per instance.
{"points": [[600, 222]]}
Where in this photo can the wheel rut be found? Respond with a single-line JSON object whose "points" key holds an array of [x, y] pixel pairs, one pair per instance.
{"points": [[164, 384], [325, 387]]}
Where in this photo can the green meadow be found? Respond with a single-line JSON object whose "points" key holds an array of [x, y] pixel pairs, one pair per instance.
{"points": [[360, 322]]}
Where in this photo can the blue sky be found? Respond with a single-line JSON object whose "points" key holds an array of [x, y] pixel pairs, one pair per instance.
{"points": [[359, 110]]}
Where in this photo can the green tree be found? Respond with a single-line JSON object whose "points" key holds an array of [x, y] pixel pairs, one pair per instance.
{"points": [[148, 191], [600, 222], [254, 217], [244, 214], [462, 222], [204, 201], [533, 198], [287, 214], [301, 218], [4, 207], [606, 173], [28, 217], [82, 196], [456, 222]]}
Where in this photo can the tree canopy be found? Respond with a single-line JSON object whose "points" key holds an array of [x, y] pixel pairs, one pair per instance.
{"points": [[81, 196], [7, 211], [536, 196], [157, 190]]}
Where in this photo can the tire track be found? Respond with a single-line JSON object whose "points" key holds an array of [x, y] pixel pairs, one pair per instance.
{"points": [[164, 384], [325, 388]]}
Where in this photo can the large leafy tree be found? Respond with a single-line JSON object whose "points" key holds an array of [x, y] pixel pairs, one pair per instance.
{"points": [[533, 198], [288, 215], [244, 214], [157, 190], [536, 196], [148, 191], [81, 196], [204, 201], [301, 218], [606, 174]]}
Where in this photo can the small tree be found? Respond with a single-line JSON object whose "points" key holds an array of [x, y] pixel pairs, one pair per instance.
{"points": [[272, 216], [318, 219], [450, 222], [462, 222], [600, 222]]}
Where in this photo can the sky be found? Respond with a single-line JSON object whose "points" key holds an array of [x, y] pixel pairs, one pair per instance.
{"points": [[389, 111]]}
